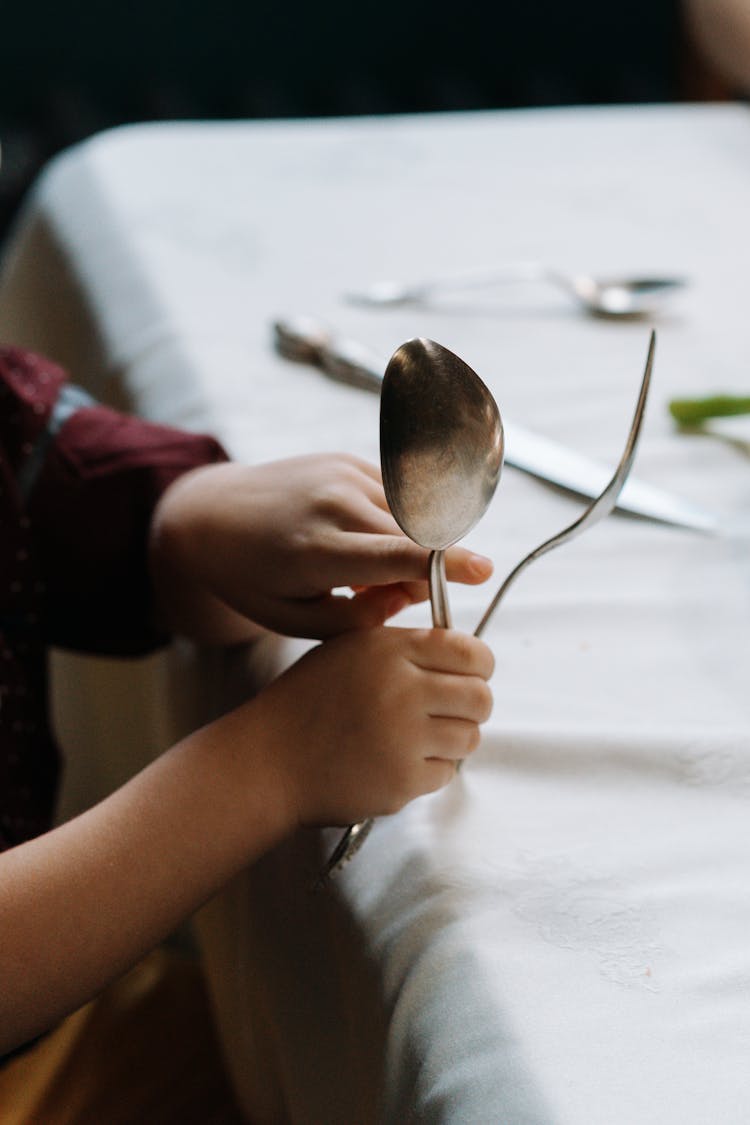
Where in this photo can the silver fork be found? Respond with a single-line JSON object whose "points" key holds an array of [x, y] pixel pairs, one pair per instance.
{"points": [[598, 509]]}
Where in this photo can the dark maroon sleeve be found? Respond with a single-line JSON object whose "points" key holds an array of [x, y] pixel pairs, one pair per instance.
{"points": [[93, 482]]}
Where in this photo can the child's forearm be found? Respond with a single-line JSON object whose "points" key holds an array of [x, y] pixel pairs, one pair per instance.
{"points": [[81, 904], [356, 728]]}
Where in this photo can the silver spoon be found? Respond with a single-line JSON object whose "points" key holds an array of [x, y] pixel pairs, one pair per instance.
{"points": [[609, 297], [441, 454], [596, 511]]}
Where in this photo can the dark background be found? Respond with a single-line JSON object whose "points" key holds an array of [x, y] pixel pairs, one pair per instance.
{"points": [[70, 70]]}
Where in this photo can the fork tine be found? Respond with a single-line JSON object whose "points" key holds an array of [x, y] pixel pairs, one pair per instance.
{"points": [[599, 508]]}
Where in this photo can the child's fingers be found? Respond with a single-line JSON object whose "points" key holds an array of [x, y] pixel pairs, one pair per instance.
{"points": [[466, 566], [451, 740], [447, 650], [366, 478], [380, 559], [438, 772], [459, 697], [332, 614]]}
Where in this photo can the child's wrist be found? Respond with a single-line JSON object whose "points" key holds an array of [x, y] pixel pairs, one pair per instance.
{"points": [[253, 808]]}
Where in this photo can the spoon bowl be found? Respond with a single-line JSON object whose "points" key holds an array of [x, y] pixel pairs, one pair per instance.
{"points": [[619, 296], [441, 451]]}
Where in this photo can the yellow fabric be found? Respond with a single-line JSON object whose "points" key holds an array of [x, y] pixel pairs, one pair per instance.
{"points": [[144, 1051]]}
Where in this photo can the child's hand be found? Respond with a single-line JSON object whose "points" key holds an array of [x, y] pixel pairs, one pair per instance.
{"points": [[272, 542], [359, 726], [369, 720]]}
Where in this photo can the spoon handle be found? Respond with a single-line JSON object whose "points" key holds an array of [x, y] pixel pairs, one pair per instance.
{"points": [[348, 846], [441, 614]]}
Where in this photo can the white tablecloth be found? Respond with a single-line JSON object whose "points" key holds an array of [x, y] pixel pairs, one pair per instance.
{"points": [[561, 936]]}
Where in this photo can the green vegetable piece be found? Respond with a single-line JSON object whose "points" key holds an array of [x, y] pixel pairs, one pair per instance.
{"points": [[693, 411]]}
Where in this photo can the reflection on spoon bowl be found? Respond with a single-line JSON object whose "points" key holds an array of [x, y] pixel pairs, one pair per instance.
{"points": [[441, 443]]}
